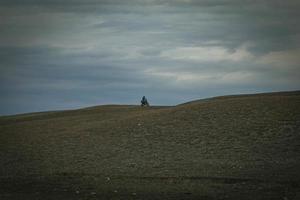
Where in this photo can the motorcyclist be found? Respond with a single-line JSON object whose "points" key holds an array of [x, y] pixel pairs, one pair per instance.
{"points": [[144, 101]]}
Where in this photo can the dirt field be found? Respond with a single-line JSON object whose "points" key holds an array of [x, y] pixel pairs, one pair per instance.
{"points": [[231, 147]]}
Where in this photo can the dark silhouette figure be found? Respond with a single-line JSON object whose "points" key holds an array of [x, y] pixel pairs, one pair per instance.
{"points": [[144, 101]]}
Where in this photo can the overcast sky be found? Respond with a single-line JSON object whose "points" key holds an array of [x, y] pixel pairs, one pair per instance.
{"points": [[80, 53]]}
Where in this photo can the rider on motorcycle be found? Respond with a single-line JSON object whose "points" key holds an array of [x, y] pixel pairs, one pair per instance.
{"points": [[144, 101]]}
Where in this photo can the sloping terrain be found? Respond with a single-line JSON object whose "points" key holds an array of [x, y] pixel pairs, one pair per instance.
{"points": [[231, 147]]}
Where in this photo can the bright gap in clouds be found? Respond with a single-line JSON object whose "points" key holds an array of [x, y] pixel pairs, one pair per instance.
{"points": [[208, 54]]}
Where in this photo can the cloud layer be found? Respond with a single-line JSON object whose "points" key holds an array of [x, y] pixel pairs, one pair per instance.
{"points": [[60, 55]]}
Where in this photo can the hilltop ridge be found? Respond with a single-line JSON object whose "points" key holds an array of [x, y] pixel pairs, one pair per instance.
{"points": [[243, 143]]}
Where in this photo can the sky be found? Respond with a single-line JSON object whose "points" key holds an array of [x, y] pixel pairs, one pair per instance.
{"points": [[71, 54]]}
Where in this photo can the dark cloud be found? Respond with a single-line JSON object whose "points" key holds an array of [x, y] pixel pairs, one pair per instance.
{"points": [[74, 53]]}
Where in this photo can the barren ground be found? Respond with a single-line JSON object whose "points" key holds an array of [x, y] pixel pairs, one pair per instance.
{"points": [[232, 147]]}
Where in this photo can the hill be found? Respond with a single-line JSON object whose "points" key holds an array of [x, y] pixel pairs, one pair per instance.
{"points": [[230, 147]]}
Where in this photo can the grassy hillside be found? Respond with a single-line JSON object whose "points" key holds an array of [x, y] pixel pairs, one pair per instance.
{"points": [[231, 147]]}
